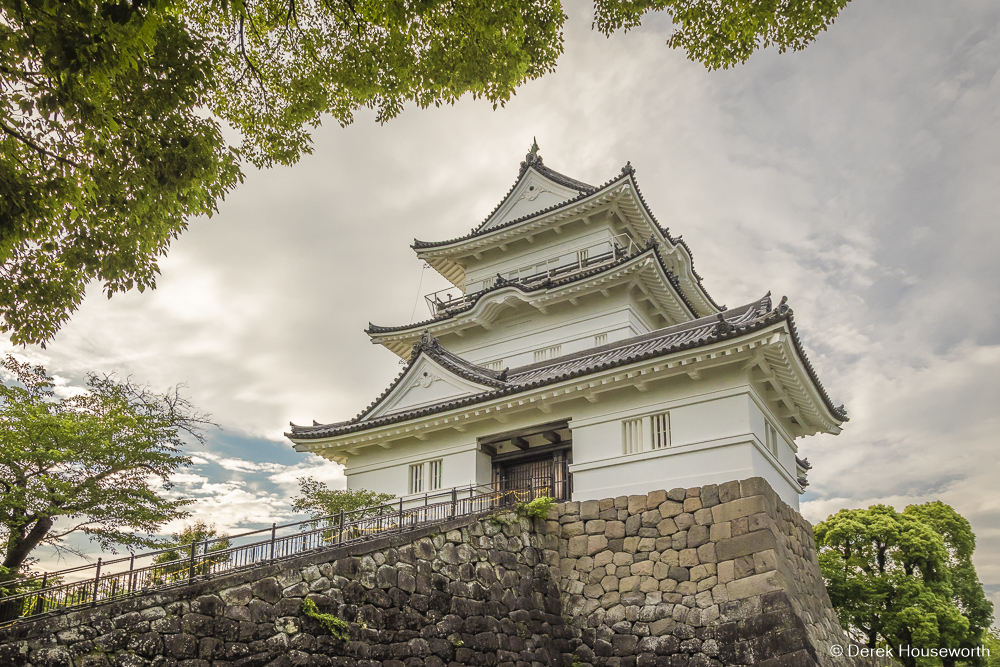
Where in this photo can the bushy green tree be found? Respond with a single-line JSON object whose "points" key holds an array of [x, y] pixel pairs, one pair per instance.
{"points": [[106, 149], [207, 543], [890, 576], [319, 500], [95, 463]]}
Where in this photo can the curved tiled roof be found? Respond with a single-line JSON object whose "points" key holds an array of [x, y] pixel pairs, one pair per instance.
{"points": [[734, 322], [544, 284], [585, 191], [478, 229]]}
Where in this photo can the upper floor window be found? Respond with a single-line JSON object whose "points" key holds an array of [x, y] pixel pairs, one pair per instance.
{"points": [[434, 483], [771, 439], [548, 353], [600, 339], [646, 433], [417, 478]]}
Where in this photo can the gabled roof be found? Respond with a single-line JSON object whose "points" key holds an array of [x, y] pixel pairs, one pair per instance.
{"points": [[650, 251], [704, 331], [533, 163], [622, 188]]}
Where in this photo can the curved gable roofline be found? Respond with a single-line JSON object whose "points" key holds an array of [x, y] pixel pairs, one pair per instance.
{"points": [[430, 347], [627, 173], [733, 323]]}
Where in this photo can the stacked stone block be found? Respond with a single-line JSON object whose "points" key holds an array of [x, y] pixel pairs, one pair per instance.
{"points": [[483, 593], [714, 576], [706, 576]]}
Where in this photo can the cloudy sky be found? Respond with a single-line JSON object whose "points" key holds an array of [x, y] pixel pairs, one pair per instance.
{"points": [[859, 177]]}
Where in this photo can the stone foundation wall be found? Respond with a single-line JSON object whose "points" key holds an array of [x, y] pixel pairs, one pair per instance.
{"points": [[472, 592], [707, 576], [715, 576]]}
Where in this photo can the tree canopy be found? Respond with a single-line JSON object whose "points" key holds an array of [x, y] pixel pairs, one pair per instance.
{"points": [[904, 578], [96, 463], [319, 500], [112, 113]]}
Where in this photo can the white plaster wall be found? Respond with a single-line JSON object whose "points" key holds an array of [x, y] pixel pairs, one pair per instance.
{"points": [[546, 246], [519, 332], [716, 436]]}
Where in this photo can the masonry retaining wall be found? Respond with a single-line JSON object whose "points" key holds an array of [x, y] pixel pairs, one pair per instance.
{"points": [[705, 577]]}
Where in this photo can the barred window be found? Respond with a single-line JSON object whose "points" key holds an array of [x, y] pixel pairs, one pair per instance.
{"points": [[661, 430], [632, 436], [436, 476], [600, 339], [417, 478], [548, 353], [772, 439], [496, 365], [646, 433]]}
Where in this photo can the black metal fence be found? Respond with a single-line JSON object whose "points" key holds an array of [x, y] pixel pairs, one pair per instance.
{"points": [[105, 581]]}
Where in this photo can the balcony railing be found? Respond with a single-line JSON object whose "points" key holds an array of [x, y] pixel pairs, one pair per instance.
{"points": [[556, 267]]}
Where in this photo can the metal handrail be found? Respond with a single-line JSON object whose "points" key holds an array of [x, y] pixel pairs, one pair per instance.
{"points": [[437, 305], [201, 562]]}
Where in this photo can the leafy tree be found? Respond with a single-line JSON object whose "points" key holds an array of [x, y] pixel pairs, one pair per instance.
{"points": [[106, 152], [967, 591], [890, 579], [87, 464], [320, 501], [206, 541]]}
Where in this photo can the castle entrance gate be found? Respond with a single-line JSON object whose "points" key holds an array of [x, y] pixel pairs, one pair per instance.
{"points": [[534, 459]]}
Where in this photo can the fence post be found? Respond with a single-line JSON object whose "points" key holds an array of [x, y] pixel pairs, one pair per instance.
{"points": [[194, 548], [40, 604], [131, 576], [97, 582], [400, 515], [454, 501], [532, 497], [273, 529], [340, 532]]}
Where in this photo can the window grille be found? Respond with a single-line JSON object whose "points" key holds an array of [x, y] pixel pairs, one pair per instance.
{"points": [[600, 339], [436, 476], [646, 433], [632, 436], [661, 430], [548, 353], [417, 478], [772, 440], [581, 257], [494, 365]]}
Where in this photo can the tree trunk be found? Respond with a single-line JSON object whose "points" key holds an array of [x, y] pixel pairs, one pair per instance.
{"points": [[18, 550]]}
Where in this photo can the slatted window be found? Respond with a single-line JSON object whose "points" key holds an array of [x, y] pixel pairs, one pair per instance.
{"points": [[600, 339], [548, 353], [494, 365], [436, 476], [646, 433], [772, 439], [581, 257], [632, 436], [417, 478], [661, 430]]}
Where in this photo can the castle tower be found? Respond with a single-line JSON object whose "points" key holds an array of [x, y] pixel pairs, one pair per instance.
{"points": [[577, 352]]}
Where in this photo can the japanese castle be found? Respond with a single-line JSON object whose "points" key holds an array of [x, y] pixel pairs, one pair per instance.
{"points": [[579, 352]]}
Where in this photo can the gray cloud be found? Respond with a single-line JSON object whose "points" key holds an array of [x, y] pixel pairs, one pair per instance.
{"points": [[859, 177]]}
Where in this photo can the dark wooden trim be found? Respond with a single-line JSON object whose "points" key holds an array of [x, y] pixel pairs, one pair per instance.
{"points": [[553, 437], [523, 432], [519, 442], [532, 452]]}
